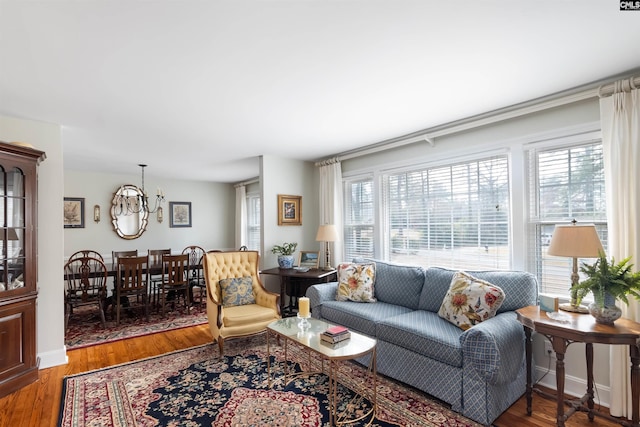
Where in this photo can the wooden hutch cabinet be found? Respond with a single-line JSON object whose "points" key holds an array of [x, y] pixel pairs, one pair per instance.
{"points": [[18, 256]]}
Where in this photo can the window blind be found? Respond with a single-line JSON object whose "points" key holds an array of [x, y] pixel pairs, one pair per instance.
{"points": [[453, 216], [253, 221], [359, 218], [565, 183]]}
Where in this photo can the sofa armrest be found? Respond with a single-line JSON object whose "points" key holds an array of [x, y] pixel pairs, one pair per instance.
{"points": [[320, 293], [495, 348]]}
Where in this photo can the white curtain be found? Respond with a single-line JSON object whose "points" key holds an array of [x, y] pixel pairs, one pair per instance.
{"points": [[331, 205], [241, 215], [620, 118]]}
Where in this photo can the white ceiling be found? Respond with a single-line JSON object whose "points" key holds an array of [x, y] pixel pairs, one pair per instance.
{"points": [[199, 89]]}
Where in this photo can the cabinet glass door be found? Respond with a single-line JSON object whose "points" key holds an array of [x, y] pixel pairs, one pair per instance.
{"points": [[12, 211]]}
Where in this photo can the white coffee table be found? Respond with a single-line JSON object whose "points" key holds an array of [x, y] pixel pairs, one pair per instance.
{"points": [[357, 346]]}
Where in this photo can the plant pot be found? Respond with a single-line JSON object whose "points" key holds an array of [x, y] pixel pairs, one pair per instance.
{"points": [[285, 261], [608, 313]]}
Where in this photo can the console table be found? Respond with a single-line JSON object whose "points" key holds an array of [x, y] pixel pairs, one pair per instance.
{"points": [[581, 328], [293, 279]]}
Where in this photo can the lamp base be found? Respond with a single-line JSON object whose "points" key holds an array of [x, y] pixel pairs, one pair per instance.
{"points": [[574, 308]]}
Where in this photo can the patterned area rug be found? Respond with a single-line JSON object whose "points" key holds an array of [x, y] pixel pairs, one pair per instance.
{"points": [[196, 387], [85, 328]]}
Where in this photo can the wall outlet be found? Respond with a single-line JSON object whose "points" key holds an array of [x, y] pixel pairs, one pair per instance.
{"points": [[548, 348]]}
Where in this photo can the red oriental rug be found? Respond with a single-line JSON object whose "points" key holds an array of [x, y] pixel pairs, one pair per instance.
{"points": [[196, 387], [85, 328]]}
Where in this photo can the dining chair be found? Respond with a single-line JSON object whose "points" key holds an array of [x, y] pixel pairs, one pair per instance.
{"points": [[86, 284], [131, 280], [174, 280], [115, 255], [86, 253], [154, 265], [195, 276]]}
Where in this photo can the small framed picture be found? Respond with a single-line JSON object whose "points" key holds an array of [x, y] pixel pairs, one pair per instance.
{"points": [[180, 214], [308, 259], [289, 210], [74, 212]]}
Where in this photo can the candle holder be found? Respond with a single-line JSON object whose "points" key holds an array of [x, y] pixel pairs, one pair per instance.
{"points": [[303, 323]]}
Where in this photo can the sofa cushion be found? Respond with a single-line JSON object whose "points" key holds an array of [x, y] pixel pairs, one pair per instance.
{"points": [[469, 301], [355, 282], [237, 291], [396, 283], [360, 317], [520, 288], [425, 333]]}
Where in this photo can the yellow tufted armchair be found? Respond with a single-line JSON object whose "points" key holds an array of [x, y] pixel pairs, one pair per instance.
{"points": [[238, 320]]}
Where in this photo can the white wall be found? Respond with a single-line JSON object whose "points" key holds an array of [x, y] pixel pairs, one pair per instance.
{"points": [[212, 214], [50, 306], [289, 177], [512, 137]]}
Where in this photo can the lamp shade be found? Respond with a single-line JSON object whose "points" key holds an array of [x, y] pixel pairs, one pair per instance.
{"points": [[327, 233], [575, 241]]}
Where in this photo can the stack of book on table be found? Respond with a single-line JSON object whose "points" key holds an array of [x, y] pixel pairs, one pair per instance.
{"points": [[335, 334]]}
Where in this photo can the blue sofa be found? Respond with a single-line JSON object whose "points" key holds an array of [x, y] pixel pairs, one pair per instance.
{"points": [[480, 372]]}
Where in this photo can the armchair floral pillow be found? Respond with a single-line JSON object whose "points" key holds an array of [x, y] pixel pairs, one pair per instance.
{"points": [[355, 282], [470, 300], [237, 291]]}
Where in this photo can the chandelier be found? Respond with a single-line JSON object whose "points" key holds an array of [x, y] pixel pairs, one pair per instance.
{"points": [[135, 200]]}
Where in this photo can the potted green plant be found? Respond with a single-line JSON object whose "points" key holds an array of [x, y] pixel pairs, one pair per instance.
{"points": [[608, 281], [285, 254]]}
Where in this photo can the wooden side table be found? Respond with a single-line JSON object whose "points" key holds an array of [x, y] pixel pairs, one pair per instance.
{"points": [[581, 328], [292, 278]]}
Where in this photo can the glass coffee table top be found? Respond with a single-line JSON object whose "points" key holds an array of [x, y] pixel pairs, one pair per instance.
{"points": [[309, 337]]}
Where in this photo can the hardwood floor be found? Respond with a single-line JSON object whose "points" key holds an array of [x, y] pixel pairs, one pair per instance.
{"points": [[38, 403]]}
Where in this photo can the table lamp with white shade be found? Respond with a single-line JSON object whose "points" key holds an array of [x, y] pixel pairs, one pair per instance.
{"points": [[575, 241], [327, 233]]}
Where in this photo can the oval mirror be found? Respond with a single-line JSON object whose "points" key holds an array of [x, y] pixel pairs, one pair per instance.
{"points": [[127, 216]]}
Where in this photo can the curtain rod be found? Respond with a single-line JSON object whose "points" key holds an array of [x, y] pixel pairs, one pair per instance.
{"points": [[327, 162], [428, 135], [625, 85], [251, 181]]}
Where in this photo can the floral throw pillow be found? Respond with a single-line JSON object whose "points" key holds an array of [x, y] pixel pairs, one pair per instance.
{"points": [[237, 291], [469, 301], [355, 282]]}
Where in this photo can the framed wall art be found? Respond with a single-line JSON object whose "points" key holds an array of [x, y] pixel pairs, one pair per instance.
{"points": [[180, 214], [308, 259], [289, 210], [73, 212]]}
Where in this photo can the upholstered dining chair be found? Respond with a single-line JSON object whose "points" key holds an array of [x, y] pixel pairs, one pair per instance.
{"points": [[174, 279], [86, 284], [238, 305], [131, 279]]}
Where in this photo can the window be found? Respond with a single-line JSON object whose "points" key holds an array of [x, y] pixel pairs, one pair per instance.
{"points": [[358, 218], [253, 221], [565, 183], [454, 216]]}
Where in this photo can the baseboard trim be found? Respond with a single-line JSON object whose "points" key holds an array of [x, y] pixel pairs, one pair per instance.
{"points": [[53, 358], [574, 386]]}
